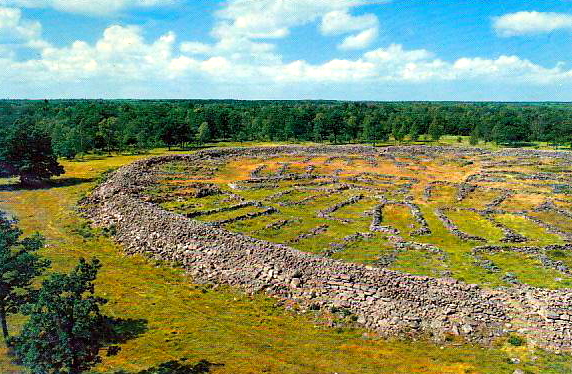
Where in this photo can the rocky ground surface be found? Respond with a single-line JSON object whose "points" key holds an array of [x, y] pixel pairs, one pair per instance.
{"points": [[389, 302]]}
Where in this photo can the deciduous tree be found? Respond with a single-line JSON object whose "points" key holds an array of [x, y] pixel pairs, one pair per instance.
{"points": [[204, 133]]}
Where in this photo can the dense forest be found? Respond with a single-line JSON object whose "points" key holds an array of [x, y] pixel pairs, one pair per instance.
{"points": [[81, 126]]}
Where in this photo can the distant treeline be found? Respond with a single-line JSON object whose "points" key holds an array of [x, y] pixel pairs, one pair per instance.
{"points": [[82, 126]]}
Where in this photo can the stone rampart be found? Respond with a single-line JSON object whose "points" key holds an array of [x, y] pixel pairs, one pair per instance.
{"points": [[389, 302]]}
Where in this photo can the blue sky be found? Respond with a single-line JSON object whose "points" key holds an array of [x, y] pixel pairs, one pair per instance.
{"points": [[287, 49]]}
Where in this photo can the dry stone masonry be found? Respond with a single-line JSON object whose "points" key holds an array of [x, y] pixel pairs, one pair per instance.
{"points": [[389, 302]]}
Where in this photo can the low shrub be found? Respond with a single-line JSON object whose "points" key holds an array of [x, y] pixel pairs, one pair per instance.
{"points": [[516, 341]]}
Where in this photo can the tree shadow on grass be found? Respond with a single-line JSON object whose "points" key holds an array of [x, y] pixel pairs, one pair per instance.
{"points": [[121, 330], [114, 331], [179, 366], [91, 157], [192, 149], [54, 183]]}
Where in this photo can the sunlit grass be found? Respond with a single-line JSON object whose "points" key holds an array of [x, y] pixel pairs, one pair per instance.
{"points": [[536, 234], [529, 270], [472, 223]]}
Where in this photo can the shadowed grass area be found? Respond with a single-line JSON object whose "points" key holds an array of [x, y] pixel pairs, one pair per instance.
{"points": [[558, 220], [367, 251], [420, 263], [565, 257], [244, 334]]}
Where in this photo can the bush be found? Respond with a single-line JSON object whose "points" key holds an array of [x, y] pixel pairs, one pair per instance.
{"points": [[314, 307], [516, 341], [109, 231], [558, 253], [466, 163], [84, 230]]}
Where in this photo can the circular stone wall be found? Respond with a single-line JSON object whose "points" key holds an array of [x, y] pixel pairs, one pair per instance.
{"points": [[405, 198]]}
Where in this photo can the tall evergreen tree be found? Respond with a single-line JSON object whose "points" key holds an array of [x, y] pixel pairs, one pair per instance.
{"points": [[66, 328], [107, 135], [319, 126], [565, 132], [26, 151], [369, 133], [335, 124], [436, 128], [19, 265]]}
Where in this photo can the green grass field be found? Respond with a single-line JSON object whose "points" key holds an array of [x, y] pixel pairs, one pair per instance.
{"points": [[244, 334]]}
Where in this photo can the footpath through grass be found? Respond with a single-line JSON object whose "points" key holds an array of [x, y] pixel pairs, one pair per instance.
{"points": [[173, 318]]}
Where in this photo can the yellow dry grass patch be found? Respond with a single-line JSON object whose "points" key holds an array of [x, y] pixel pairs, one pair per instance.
{"points": [[522, 202]]}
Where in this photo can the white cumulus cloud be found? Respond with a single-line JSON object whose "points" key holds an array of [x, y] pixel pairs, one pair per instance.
{"points": [[396, 53], [522, 23], [509, 68], [396, 64], [361, 40], [121, 53], [340, 22], [243, 28], [274, 18], [14, 29], [89, 7]]}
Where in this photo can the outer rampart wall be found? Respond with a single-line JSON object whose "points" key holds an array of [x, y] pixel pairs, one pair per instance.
{"points": [[389, 302]]}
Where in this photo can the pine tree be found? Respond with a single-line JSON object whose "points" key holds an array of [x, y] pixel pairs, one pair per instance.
{"points": [[319, 126], [19, 265], [369, 130], [107, 134], [66, 329], [475, 135], [436, 129], [27, 152]]}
